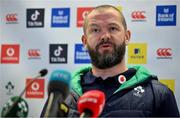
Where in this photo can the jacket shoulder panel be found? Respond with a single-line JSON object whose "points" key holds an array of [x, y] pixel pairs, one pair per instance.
{"points": [[165, 102]]}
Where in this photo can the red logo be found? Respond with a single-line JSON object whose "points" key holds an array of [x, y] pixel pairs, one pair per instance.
{"points": [[11, 18], [10, 54], [121, 79], [81, 13], [36, 89], [34, 53], [164, 52], [138, 15]]}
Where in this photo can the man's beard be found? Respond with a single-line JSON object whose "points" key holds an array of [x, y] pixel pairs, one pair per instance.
{"points": [[107, 58]]}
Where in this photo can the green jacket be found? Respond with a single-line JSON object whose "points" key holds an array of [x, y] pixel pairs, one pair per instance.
{"points": [[128, 100], [155, 100], [142, 74]]}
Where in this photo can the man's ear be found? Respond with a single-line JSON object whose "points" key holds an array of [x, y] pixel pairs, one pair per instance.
{"points": [[84, 41], [127, 37]]}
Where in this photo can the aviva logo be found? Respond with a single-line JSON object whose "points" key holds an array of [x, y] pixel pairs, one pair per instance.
{"points": [[137, 53], [170, 83]]}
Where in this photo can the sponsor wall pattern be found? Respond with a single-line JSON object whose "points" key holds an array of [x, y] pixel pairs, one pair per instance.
{"points": [[47, 34]]}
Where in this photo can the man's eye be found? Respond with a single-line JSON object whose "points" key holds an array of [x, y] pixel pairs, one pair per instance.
{"points": [[95, 30], [113, 29]]}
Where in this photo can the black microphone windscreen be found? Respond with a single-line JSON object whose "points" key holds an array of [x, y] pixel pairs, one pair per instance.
{"points": [[60, 81], [43, 72]]}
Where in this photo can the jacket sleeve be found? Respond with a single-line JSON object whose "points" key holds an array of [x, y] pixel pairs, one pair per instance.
{"points": [[165, 102], [71, 102], [169, 106]]}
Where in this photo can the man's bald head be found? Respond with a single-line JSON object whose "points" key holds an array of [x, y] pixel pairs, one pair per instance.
{"points": [[102, 9]]}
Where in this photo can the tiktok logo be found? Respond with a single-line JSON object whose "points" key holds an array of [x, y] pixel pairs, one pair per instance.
{"points": [[35, 18], [35, 15], [58, 53]]}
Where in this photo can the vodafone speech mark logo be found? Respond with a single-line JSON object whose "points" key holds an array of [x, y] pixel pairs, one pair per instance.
{"points": [[36, 89], [138, 16], [81, 14], [10, 53], [164, 53], [34, 54], [11, 18]]}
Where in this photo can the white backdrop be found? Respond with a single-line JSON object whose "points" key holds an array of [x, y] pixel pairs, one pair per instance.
{"points": [[149, 32]]}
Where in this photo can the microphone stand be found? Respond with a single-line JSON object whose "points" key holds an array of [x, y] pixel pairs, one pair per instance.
{"points": [[21, 94]]}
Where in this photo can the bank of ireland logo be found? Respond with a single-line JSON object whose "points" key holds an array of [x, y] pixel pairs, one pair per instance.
{"points": [[58, 53], [60, 17], [81, 54], [166, 15], [35, 18]]}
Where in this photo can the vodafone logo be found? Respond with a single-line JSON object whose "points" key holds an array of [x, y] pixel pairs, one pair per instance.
{"points": [[164, 53], [10, 53], [138, 16], [121, 79], [34, 54], [36, 89], [11, 18], [84, 14], [81, 14], [35, 86]]}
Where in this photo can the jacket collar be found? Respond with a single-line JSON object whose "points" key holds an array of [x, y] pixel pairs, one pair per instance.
{"points": [[141, 75]]}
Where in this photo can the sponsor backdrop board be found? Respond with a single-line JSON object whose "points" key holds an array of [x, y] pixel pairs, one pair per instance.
{"points": [[37, 34]]}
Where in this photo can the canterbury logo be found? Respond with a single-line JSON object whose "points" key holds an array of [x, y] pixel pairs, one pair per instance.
{"points": [[138, 15], [34, 53], [11, 17], [164, 52]]}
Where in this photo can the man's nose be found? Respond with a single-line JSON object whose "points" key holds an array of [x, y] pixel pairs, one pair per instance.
{"points": [[105, 36]]}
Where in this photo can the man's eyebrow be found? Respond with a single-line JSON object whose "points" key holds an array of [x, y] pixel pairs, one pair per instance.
{"points": [[113, 24], [93, 25]]}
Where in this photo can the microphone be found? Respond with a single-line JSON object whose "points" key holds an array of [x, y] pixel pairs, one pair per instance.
{"points": [[91, 103], [43, 72], [12, 109], [58, 90]]}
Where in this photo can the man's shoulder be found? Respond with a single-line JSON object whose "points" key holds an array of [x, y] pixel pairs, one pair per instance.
{"points": [[81, 70], [160, 88]]}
